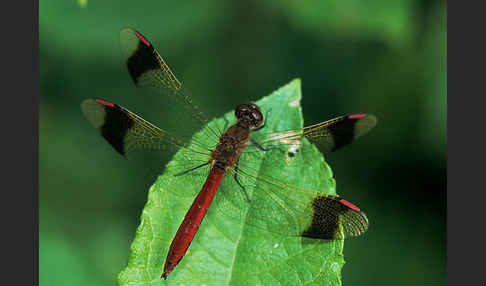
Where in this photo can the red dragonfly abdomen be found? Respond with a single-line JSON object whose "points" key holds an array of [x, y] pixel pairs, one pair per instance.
{"points": [[193, 219]]}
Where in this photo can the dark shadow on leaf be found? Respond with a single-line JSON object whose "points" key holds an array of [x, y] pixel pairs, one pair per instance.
{"points": [[307, 241]]}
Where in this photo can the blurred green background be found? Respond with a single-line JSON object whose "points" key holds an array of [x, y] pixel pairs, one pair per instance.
{"points": [[376, 56]]}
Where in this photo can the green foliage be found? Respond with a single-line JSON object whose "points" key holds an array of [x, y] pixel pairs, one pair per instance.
{"points": [[385, 20], [83, 3], [228, 251], [61, 263]]}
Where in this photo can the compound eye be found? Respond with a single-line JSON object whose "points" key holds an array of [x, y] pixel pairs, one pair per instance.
{"points": [[257, 117], [253, 106], [241, 110]]}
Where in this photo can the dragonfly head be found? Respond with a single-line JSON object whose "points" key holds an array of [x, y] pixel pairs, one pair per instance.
{"points": [[250, 114]]}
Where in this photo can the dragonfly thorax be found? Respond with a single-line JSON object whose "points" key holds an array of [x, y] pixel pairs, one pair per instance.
{"points": [[230, 145]]}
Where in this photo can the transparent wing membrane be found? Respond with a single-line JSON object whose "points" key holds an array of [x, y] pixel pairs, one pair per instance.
{"points": [[272, 205], [149, 70], [126, 131], [328, 136]]}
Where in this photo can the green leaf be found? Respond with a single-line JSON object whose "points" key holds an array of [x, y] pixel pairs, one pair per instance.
{"points": [[226, 251]]}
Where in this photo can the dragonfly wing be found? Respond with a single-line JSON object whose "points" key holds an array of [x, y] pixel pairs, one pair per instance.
{"points": [[328, 212], [270, 204], [149, 70], [287, 209], [328, 136], [126, 131], [144, 63], [339, 132]]}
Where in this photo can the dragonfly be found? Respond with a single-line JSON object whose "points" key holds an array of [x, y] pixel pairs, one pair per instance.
{"points": [[276, 206]]}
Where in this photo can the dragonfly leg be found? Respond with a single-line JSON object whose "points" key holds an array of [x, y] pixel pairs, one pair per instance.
{"points": [[190, 170], [259, 146], [238, 181], [253, 141]]}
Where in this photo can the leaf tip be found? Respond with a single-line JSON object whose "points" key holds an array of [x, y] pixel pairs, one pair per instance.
{"points": [[296, 81]]}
